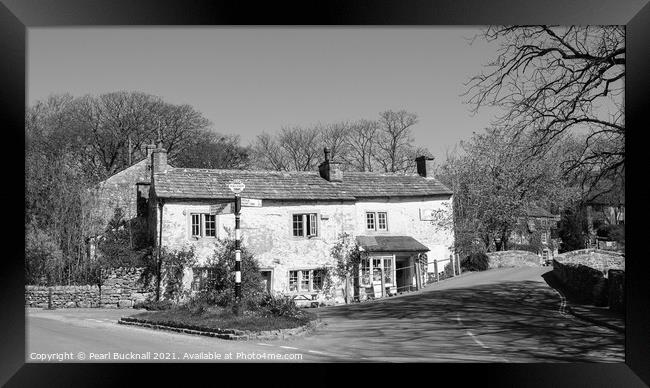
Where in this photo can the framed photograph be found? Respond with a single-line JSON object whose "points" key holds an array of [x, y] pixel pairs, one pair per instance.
{"points": [[265, 151]]}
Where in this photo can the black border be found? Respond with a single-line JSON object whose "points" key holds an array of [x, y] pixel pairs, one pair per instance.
{"points": [[17, 15]]}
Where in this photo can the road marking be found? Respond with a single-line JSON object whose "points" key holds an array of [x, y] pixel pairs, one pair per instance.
{"points": [[259, 343], [562, 302], [481, 344], [288, 347], [317, 352]]}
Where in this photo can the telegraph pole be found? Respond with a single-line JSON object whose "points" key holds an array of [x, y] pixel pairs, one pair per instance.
{"points": [[237, 255]]}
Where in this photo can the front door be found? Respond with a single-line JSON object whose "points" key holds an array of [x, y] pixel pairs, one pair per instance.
{"points": [[379, 262]]}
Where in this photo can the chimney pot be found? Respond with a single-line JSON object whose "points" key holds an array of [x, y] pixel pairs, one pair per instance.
{"points": [[327, 154]]}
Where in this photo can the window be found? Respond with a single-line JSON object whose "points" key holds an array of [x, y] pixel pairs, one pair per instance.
{"points": [[305, 225], [544, 238], [201, 277], [210, 225], [381, 221], [203, 225], [317, 283], [388, 270], [365, 271], [306, 280], [293, 280], [377, 262], [376, 220], [196, 225], [376, 270], [370, 221]]}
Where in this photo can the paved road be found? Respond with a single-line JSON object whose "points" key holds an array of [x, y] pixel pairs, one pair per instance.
{"points": [[504, 315]]}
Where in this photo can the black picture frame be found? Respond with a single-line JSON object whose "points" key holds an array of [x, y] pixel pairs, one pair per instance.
{"points": [[18, 15]]}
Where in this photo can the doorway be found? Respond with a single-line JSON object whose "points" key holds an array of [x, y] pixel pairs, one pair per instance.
{"points": [[267, 277], [403, 273]]}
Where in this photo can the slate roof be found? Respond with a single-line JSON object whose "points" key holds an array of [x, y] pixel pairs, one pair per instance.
{"points": [[535, 211], [390, 244], [276, 185]]}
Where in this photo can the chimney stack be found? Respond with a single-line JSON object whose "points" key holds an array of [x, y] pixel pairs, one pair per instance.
{"points": [[159, 158], [424, 166], [329, 169]]}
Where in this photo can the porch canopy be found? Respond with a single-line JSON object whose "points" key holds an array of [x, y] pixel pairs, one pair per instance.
{"points": [[390, 244]]}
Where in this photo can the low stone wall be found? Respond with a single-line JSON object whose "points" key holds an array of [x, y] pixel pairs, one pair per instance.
{"points": [[503, 259], [121, 288], [594, 258], [582, 283], [594, 276]]}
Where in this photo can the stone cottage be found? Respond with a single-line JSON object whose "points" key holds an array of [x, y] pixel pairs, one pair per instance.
{"points": [[537, 228], [300, 219]]}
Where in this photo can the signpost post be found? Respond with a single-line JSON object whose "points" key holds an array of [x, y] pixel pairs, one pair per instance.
{"points": [[237, 186]]}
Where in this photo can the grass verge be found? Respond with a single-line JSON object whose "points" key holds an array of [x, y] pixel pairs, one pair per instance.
{"points": [[222, 318]]}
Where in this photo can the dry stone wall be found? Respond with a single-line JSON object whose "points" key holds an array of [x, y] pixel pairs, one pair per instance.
{"points": [[122, 288], [593, 276], [513, 259], [594, 258]]}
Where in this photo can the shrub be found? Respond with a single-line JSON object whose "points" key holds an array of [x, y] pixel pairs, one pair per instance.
{"points": [[43, 258], [154, 305], [280, 306], [478, 261], [174, 264], [220, 285]]}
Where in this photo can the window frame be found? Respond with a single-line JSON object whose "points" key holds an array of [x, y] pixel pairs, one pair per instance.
{"points": [[375, 221], [300, 279], [202, 225], [309, 225], [367, 266]]}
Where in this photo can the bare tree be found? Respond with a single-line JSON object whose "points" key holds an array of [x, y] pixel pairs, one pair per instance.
{"points": [[301, 146], [268, 155], [335, 137], [394, 146], [211, 150], [361, 141], [557, 80]]}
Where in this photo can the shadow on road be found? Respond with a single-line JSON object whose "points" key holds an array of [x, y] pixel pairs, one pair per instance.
{"points": [[518, 321]]}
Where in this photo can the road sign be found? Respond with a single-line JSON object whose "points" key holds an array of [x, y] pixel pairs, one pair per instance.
{"points": [[221, 208], [251, 202], [236, 186]]}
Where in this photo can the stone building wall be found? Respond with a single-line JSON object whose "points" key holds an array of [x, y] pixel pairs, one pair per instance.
{"points": [[122, 287], [120, 191]]}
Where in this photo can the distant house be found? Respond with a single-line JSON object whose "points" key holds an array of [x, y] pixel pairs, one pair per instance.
{"points": [[301, 217], [605, 207], [127, 192], [536, 230]]}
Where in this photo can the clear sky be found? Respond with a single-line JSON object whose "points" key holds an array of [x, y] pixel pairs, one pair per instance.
{"points": [[249, 80]]}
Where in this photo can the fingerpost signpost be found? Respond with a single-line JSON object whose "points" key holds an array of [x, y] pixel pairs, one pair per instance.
{"points": [[237, 186]]}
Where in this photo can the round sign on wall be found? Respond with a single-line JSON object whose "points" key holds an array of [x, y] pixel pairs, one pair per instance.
{"points": [[236, 186]]}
